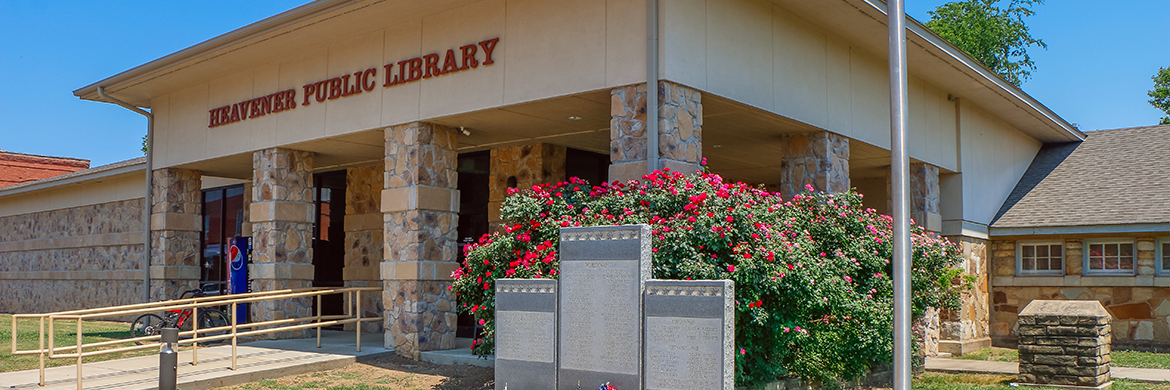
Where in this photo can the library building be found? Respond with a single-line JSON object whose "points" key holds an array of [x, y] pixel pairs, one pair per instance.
{"points": [[362, 143]]}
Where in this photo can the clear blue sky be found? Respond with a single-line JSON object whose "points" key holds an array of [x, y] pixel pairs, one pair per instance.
{"points": [[1095, 72]]}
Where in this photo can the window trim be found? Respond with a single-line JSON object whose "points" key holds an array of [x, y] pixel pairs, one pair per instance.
{"points": [[1158, 256], [1020, 259], [1085, 257]]}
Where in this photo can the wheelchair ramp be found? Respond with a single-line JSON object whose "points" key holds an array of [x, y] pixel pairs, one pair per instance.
{"points": [[256, 360]]}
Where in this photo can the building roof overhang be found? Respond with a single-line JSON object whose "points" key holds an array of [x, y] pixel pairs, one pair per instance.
{"points": [[930, 57]]}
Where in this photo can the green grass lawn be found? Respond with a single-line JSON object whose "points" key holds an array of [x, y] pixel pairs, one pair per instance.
{"points": [[66, 335], [940, 381], [1120, 358]]}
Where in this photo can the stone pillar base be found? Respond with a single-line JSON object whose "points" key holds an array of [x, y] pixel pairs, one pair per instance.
{"points": [[961, 347], [634, 170], [420, 316]]}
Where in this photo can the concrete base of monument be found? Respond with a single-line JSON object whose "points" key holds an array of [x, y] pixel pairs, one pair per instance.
{"points": [[1105, 385], [962, 347], [461, 355]]}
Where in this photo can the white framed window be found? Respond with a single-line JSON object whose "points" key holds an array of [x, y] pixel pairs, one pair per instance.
{"points": [[1162, 256], [1040, 258], [1109, 257]]}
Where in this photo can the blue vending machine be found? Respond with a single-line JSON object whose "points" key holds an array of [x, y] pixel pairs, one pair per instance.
{"points": [[238, 281]]}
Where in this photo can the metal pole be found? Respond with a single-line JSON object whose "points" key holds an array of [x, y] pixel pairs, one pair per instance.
{"points": [[651, 86], [899, 171], [146, 200]]}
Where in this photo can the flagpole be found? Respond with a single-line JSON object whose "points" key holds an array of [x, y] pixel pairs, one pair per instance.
{"points": [[899, 170]]}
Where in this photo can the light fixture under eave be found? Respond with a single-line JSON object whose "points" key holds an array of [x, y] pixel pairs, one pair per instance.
{"points": [[716, 146], [464, 131], [574, 118]]}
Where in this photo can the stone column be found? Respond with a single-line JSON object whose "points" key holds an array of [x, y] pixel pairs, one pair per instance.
{"points": [[282, 230], [176, 221], [680, 130], [420, 205], [818, 159], [924, 196], [529, 165], [969, 329], [363, 238], [1065, 343]]}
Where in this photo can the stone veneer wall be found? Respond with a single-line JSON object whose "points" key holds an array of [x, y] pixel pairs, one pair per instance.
{"points": [[818, 159], [73, 258], [176, 223], [680, 130], [530, 164], [1141, 313], [363, 238], [420, 203], [282, 217]]}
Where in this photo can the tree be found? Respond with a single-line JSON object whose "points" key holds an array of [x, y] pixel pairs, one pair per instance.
{"points": [[995, 36], [1160, 95], [144, 144]]}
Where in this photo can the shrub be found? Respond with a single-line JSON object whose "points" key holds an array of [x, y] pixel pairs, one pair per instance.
{"points": [[813, 292]]}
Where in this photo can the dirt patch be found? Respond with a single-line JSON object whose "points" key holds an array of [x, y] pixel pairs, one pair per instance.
{"points": [[389, 372]]}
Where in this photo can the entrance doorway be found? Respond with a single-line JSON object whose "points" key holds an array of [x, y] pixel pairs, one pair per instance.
{"points": [[223, 218], [329, 238]]}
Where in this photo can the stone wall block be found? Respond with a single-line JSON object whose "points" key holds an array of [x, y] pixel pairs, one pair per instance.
{"points": [[679, 129], [282, 230], [1064, 343]]}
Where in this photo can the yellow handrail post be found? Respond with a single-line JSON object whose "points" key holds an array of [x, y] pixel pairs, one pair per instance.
{"points": [[234, 312], [40, 345], [195, 336], [78, 353], [358, 325], [318, 321]]}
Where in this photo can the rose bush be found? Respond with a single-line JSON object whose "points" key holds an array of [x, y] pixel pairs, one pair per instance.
{"points": [[813, 292]]}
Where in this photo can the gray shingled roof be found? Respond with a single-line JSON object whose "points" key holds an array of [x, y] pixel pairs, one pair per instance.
{"points": [[1114, 177]]}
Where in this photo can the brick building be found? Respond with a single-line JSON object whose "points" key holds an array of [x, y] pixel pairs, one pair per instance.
{"points": [[16, 168], [360, 142]]}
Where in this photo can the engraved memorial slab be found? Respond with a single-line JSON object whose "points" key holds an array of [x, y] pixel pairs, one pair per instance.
{"points": [[602, 274], [526, 330], [689, 335]]}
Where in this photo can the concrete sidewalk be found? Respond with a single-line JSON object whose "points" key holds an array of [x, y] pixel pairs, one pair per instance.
{"points": [[1012, 368], [257, 360]]}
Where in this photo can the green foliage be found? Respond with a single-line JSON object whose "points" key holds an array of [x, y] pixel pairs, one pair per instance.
{"points": [[1160, 95], [144, 144], [813, 292], [995, 36]]}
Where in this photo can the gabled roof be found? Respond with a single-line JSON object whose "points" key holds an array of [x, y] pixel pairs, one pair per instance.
{"points": [[1116, 178]]}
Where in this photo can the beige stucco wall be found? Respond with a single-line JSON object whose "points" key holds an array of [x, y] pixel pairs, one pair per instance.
{"points": [[546, 49], [776, 61], [994, 157], [102, 190]]}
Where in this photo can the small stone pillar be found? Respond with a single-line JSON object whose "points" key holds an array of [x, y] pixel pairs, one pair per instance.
{"points": [[176, 222], [282, 217], [1065, 343], [680, 130], [364, 238], [818, 159]]}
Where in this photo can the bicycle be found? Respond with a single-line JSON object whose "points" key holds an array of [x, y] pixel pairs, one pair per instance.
{"points": [[151, 324]]}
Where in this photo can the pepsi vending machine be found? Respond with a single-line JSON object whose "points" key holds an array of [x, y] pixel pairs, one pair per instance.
{"points": [[238, 281]]}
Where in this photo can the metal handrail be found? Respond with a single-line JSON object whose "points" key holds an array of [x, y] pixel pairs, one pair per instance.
{"points": [[353, 315]]}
